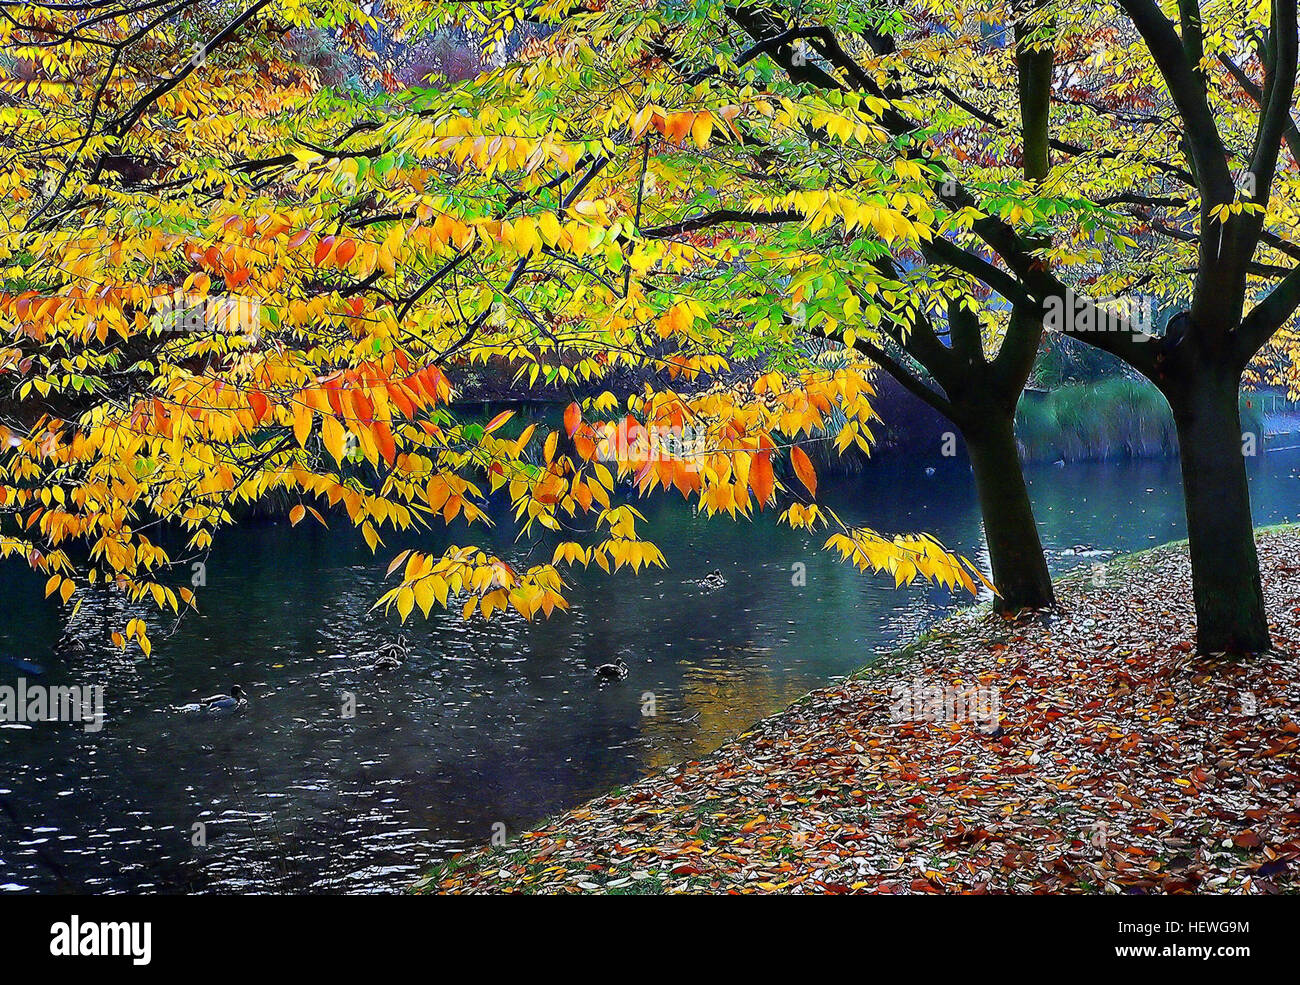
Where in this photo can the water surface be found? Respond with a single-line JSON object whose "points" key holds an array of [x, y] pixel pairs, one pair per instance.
{"points": [[487, 724]]}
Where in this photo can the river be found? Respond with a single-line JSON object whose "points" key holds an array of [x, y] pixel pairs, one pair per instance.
{"points": [[487, 727]]}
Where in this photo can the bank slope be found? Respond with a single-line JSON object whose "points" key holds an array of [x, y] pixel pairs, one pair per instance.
{"points": [[1115, 759]]}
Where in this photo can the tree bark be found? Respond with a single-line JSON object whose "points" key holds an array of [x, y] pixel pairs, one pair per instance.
{"points": [[1015, 550], [1226, 585]]}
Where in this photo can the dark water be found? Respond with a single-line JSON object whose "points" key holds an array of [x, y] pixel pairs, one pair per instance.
{"points": [[496, 724]]}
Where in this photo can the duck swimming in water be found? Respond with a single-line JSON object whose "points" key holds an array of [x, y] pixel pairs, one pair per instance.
{"points": [[611, 672], [391, 656], [233, 701], [713, 580]]}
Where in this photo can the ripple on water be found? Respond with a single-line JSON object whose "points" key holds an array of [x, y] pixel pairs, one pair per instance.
{"points": [[484, 724]]}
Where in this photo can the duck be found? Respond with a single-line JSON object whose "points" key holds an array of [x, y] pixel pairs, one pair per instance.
{"points": [[233, 701], [713, 580], [391, 655], [615, 671], [71, 644]]}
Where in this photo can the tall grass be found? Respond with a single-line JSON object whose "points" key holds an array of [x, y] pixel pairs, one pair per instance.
{"points": [[1115, 418]]}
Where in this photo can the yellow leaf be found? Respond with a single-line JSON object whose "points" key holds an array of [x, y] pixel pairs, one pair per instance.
{"points": [[424, 595], [550, 227], [701, 128], [526, 238], [335, 437], [405, 602], [302, 423]]}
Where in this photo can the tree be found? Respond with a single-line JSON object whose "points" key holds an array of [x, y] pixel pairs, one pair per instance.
{"points": [[933, 326], [228, 284], [1168, 128], [977, 389], [1149, 171]]}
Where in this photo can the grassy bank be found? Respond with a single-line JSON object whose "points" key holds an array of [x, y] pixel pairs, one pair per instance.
{"points": [[1115, 760], [1108, 419], [1113, 418]]}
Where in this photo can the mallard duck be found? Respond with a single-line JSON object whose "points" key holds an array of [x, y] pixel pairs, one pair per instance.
{"points": [[612, 672], [391, 656], [713, 580], [233, 701]]}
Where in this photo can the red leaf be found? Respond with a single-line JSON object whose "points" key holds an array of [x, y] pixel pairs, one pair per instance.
{"points": [[257, 400], [323, 249]]}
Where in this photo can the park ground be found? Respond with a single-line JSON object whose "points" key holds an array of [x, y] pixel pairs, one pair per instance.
{"points": [[1117, 760]]}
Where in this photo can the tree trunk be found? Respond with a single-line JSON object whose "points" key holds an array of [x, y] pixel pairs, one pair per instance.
{"points": [[1225, 566], [1015, 551]]}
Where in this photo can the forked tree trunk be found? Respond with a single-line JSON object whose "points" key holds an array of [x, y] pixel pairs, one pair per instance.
{"points": [[1015, 550], [1226, 586]]}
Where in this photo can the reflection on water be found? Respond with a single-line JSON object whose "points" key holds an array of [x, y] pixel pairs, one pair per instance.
{"points": [[484, 724]]}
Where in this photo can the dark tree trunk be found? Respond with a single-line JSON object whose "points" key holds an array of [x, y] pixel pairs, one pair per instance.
{"points": [[1015, 551], [1225, 566]]}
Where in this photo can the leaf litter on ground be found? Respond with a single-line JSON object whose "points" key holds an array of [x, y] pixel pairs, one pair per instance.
{"points": [[1121, 761]]}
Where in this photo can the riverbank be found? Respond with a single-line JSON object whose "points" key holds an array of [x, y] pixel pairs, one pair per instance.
{"points": [[1117, 418], [1120, 761]]}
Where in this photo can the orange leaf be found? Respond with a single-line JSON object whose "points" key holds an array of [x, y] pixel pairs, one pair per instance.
{"points": [[331, 386], [384, 441], [572, 418], [761, 479], [362, 407], [803, 468], [398, 395], [257, 400], [296, 514], [497, 421]]}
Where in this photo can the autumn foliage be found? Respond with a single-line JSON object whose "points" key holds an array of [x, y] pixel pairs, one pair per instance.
{"points": [[226, 284]]}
